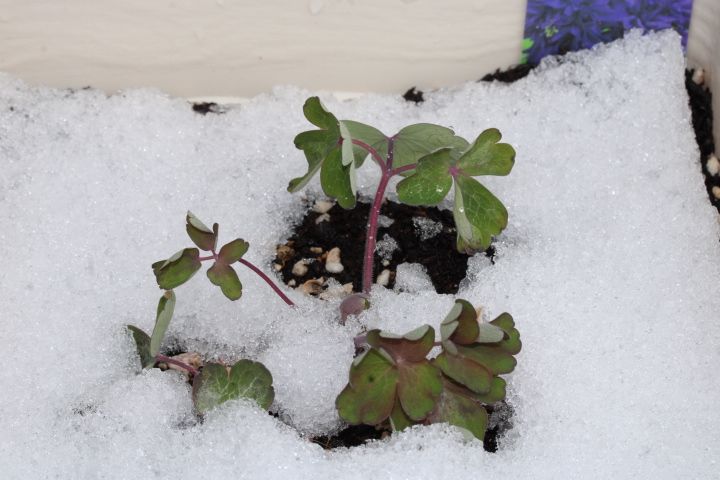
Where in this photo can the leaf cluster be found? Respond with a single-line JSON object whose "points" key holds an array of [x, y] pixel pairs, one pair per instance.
{"points": [[432, 159], [394, 381], [179, 268]]}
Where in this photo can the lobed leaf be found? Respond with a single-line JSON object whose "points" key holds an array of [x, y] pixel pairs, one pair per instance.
{"points": [[201, 235], [142, 344], [430, 183], [458, 407], [233, 251], [465, 371], [398, 418], [511, 343], [225, 277], [489, 333], [415, 141], [370, 395], [165, 309], [419, 387], [486, 156], [178, 269], [215, 385], [336, 180], [460, 325], [494, 358], [496, 394], [411, 347], [478, 214], [370, 136]]}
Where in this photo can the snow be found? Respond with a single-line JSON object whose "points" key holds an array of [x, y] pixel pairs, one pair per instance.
{"points": [[609, 266]]}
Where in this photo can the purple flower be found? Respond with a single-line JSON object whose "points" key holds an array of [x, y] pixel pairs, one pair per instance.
{"points": [[560, 26]]}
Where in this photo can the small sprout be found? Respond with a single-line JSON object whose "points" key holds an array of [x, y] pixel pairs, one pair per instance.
{"points": [[142, 344], [216, 384], [353, 305], [165, 309]]}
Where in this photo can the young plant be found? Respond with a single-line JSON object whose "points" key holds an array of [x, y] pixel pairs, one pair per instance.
{"points": [[214, 383], [431, 158], [393, 382]]}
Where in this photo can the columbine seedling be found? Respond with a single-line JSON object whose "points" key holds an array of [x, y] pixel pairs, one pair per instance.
{"points": [[430, 157], [394, 382], [215, 383]]}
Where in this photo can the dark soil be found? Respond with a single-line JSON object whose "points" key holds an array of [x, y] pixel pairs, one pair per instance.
{"points": [[346, 229]]}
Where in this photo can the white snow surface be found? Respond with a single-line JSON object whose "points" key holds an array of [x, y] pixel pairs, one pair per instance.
{"points": [[609, 265]]}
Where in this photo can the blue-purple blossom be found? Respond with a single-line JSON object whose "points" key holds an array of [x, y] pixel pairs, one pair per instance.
{"points": [[560, 26]]}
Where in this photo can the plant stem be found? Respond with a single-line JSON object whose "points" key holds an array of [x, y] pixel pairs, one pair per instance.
{"points": [[372, 152], [371, 231], [178, 363], [267, 280]]}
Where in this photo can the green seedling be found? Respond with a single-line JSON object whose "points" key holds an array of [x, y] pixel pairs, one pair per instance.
{"points": [[179, 268], [213, 384], [431, 158], [393, 382]]}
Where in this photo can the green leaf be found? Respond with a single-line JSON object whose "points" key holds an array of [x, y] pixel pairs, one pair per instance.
{"points": [[486, 156], [316, 144], [142, 344], [336, 180], [398, 418], [246, 379], [370, 136], [511, 344], [178, 269], [415, 141], [460, 325], [419, 387], [225, 277], [494, 358], [496, 394], [165, 309], [348, 155], [233, 251], [430, 183], [478, 214], [489, 333], [201, 235], [458, 407], [370, 395], [411, 347], [465, 371]]}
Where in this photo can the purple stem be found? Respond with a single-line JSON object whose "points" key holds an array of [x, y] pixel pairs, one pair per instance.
{"points": [[267, 280], [371, 151], [371, 233], [178, 363]]}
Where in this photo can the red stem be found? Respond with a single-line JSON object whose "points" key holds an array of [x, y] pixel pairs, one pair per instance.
{"points": [[184, 366], [372, 152], [267, 280], [371, 233]]}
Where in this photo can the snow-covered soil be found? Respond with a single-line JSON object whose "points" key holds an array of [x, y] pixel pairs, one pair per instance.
{"points": [[609, 265]]}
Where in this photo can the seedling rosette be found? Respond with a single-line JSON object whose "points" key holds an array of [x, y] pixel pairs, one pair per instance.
{"points": [[394, 382]]}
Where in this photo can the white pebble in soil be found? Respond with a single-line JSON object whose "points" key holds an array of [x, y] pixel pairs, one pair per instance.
{"points": [[383, 278], [713, 165], [332, 262]]}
